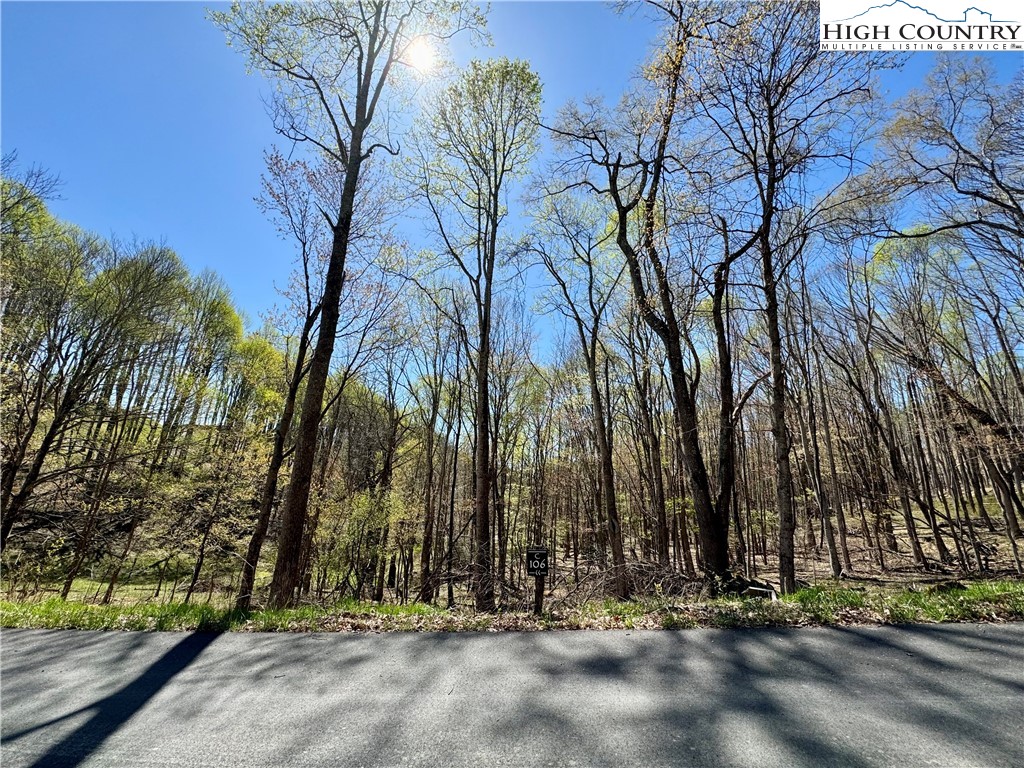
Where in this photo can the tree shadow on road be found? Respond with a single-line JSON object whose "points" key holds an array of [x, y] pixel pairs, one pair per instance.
{"points": [[852, 697], [729, 698], [113, 711]]}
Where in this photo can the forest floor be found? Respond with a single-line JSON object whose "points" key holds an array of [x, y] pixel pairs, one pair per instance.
{"points": [[576, 598], [831, 603]]}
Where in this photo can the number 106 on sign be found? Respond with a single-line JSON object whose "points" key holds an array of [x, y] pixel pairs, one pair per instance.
{"points": [[537, 562]]}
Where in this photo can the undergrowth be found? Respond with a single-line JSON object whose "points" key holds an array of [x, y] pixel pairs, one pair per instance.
{"points": [[824, 604]]}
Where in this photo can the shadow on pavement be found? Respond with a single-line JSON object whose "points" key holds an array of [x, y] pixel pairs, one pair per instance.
{"points": [[849, 697], [857, 697], [115, 710]]}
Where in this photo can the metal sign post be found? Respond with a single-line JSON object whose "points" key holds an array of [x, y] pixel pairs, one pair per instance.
{"points": [[537, 566]]}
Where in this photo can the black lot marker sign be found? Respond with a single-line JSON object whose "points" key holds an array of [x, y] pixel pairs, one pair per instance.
{"points": [[537, 566], [537, 562]]}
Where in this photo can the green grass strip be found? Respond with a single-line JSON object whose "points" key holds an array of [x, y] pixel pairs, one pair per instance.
{"points": [[823, 605]]}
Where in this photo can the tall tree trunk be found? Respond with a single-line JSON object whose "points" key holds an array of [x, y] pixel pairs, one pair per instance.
{"points": [[199, 560], [252, 556], [285, 581], [603, 433], [483, 572], [780, 431]]}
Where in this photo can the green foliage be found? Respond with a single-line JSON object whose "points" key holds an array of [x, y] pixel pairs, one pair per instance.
{"points": [[825, 604], [23, 195], [24, 214], [476, 142], [118, 351], [258, 366], [489, 118]]}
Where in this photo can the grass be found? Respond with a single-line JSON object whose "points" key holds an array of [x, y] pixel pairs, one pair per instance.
{"points": [[55, 613], [978, 601], [822, 605]]}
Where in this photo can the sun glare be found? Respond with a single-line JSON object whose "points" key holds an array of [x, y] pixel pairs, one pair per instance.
{"points": [[420, 56]]}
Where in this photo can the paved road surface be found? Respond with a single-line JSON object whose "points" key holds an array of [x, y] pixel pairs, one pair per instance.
{"points": [[917, 696]]}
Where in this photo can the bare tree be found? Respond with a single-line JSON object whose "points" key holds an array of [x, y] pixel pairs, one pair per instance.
{"points": [[334, 63], [574, 251], [481, 137]]}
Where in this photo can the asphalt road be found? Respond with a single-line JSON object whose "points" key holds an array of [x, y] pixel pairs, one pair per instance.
{"points": [[945, 696]]}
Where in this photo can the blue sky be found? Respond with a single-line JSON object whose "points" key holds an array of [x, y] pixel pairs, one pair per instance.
{"points": [[157, 132]]}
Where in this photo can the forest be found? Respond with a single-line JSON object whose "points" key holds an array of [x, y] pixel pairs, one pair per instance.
{"points": [[752, 322]]}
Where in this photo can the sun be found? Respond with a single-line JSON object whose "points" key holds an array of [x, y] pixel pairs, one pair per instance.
{"points": [[420, 56]]}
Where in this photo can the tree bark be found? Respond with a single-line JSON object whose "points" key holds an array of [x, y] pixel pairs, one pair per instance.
{"points": [[285, 581]]}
